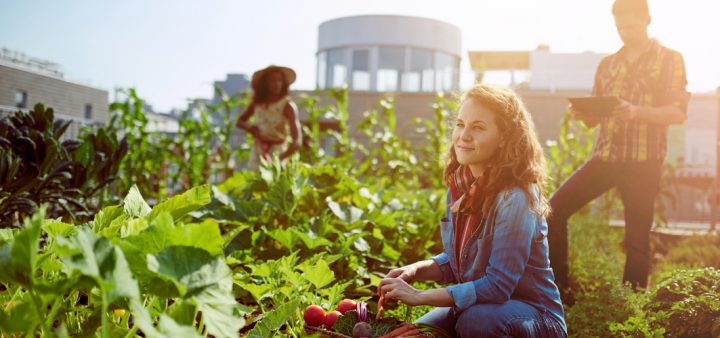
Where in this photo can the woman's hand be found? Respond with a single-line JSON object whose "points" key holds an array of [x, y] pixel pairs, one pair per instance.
{"points": [[253, 130], [399, 289], [406, 273]]}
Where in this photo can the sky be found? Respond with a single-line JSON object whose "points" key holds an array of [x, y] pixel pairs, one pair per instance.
{"points": [[172, 51]]}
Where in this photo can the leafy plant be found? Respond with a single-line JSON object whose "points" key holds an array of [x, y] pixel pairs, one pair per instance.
{"points": [[132, 269], [36, 167], [685, 304]]}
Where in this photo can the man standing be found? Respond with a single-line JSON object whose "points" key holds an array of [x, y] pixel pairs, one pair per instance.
{"points": [[649, 79]]}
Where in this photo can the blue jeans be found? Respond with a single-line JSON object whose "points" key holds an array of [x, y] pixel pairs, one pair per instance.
{"points": [[510, 319]]}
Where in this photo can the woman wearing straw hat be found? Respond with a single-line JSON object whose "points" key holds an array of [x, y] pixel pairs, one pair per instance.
{"points": [[275, 115]]}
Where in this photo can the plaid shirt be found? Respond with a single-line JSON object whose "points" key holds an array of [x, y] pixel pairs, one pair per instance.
{"points": [[655, 79]]}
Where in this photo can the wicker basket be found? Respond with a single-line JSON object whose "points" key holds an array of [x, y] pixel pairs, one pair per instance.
{"points": [[331, 334], [324, 333]]}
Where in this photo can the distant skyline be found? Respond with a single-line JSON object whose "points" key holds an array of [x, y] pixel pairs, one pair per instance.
{"points": [[172, 51]]}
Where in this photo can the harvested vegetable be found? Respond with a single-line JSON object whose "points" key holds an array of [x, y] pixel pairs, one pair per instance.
{"points": [[362, 329]]}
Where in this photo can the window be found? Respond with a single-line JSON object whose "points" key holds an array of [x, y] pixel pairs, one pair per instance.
{"points": [[391, 64], [337, 69], [411, 82], [20, 99], [420, 75], [387, 80], [88, 111], [361, 69], [445, 68], [322, 70]]}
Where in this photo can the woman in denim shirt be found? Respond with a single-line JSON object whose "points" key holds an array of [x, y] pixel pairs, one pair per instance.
{"points": [[495, 250]]}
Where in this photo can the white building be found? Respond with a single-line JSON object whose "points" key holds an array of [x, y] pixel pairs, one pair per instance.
{"points": [[546, 71], [388, 53], [562, 71], [25, 81]]}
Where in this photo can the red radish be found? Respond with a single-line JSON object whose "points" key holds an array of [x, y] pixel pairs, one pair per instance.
{"points": [[330, 319], [346, 305], [314, 315]]}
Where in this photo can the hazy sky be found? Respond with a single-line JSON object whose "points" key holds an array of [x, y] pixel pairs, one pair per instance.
{"points": [[174, 50]]}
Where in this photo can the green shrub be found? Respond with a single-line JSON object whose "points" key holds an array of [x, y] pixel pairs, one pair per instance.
{"points": [[692, 252], [685, 304], [596, 266], [36, 167]]}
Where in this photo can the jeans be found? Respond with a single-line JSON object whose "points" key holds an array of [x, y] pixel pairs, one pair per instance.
{"points": [[638, 184], [510, 319]]}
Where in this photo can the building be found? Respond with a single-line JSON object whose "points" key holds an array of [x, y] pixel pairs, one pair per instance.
{"points": [[25, 81], [407, 58], [233, 85], [388, 53]]}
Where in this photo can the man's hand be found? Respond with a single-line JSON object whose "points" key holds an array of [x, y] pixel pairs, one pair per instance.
{"points": [[625, 111], [589, 121]]}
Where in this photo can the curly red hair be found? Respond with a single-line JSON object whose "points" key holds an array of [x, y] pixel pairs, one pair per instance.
{"points": [[520, 162]]}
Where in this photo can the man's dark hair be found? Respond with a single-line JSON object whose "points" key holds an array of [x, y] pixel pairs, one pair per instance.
{"points": [[636, 7]]}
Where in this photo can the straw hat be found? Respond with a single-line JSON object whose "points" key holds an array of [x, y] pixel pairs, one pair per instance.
{"points": [[287, 72]]}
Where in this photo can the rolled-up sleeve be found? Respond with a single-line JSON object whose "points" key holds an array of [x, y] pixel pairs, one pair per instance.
{"points": [[443, 261], [513, 235], [676, 93]]}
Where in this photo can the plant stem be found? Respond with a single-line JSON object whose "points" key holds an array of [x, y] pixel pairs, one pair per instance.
{"points": [[201, 325], [132, 331], [38, 309], [53, 310], [104, 314], [9, 303]]}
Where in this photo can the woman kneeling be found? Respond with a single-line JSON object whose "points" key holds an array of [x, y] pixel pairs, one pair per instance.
{"points": [[495, 250]]}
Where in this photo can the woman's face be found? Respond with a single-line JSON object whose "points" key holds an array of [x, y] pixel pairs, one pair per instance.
{"points": [[475, 137], [275, 82]]}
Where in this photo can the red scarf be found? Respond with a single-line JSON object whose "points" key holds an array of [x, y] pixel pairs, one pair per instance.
{"points": [[467, 193]]}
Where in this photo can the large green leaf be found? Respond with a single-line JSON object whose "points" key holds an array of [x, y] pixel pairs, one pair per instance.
{"points": [[273, 320], [56, 228], [162, 233], [205, 279], [134, 205], [284, 236], [222, 315], [183, 311], [258, 291], [21, 316], [345, 212], [184, 203], [319, 274], [310, 239], [18, 258], [86, 254], [171, 329], [290, 237], [167, 328], [7, 235], [190, 269], [104, 218]]}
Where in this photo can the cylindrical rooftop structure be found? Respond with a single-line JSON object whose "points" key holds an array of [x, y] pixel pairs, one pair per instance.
{"points": [[388, 53]]}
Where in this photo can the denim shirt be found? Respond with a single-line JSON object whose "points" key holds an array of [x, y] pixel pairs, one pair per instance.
{"points": [[510, 251]]}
